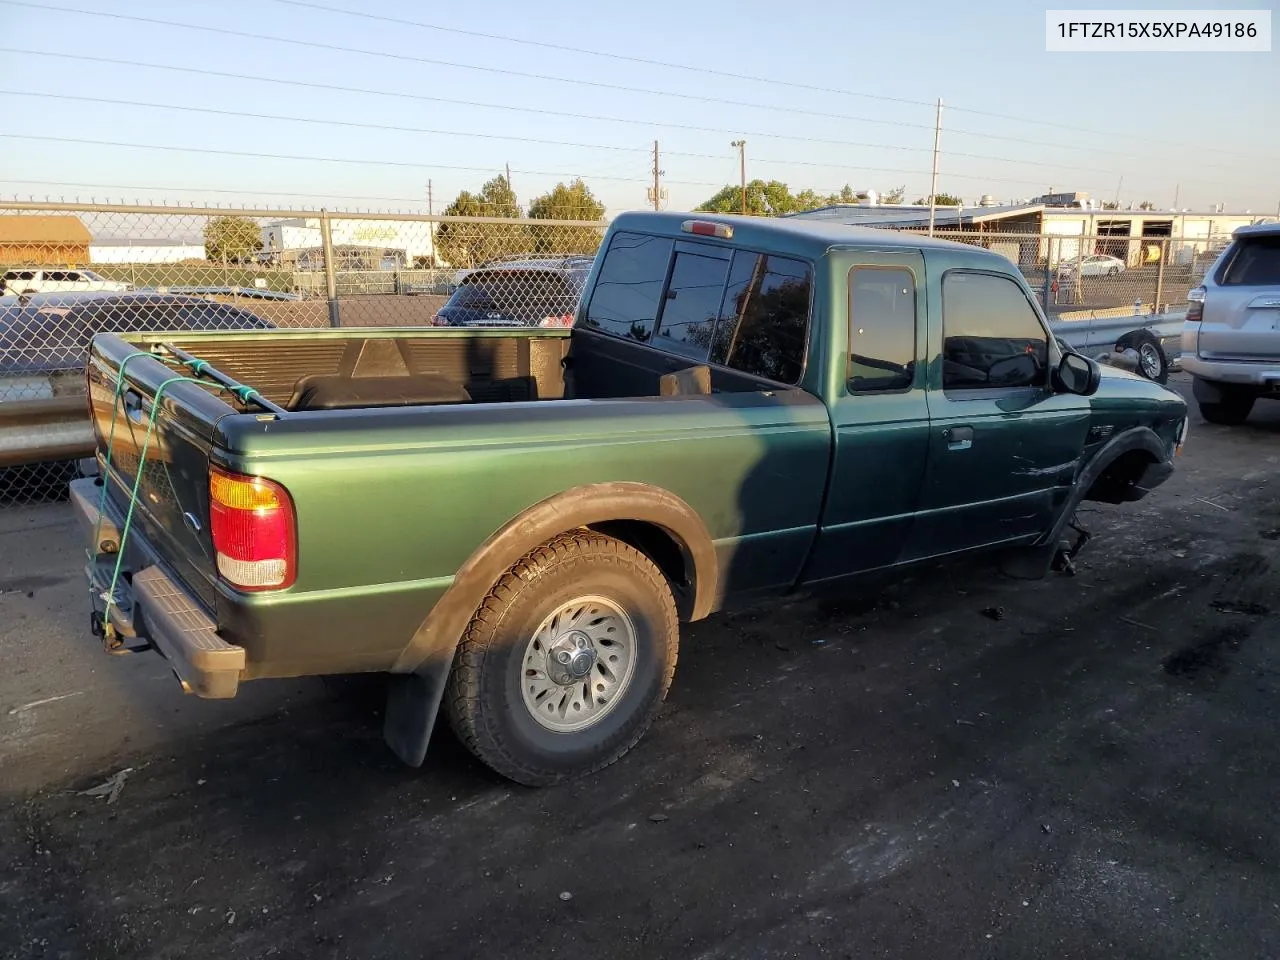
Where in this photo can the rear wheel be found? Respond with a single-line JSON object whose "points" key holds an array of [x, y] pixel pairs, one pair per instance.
{"points": [[1113, 272], [563, 667], [1233, 409]]}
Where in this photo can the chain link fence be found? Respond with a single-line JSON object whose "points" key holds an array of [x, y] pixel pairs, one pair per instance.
{"points": [[1101, 275], [72, 270]]}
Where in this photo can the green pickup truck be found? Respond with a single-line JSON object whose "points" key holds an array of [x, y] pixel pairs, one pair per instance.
{"points": [[514, 523]]}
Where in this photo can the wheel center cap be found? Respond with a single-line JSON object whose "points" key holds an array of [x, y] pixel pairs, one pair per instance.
{"points": [[571, 658]]}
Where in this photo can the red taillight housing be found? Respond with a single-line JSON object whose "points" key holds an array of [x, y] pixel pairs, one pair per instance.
{"points": [[251, 520], [1195, 305], [564, 320]]}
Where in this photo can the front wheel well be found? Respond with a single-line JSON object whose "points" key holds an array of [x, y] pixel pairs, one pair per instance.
{"points": [[1119, 477], [664, 549]]}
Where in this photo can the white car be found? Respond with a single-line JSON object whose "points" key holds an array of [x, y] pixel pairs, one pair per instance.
{"points": [[1096, 265], [19, 282]]}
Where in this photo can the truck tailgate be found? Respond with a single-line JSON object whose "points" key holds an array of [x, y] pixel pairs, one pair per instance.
{"points": [[171, 512]]}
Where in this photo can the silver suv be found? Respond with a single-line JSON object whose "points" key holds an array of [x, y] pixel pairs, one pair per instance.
{"points": [[1231, 339]]}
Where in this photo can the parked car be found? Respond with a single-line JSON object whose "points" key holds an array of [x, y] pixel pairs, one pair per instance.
{"points": [[1231, 337], [742, 407], [522, 293], [20, 282], [1095, 265], [44, 340]]}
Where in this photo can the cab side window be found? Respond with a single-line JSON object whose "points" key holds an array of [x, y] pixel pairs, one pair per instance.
{"points": [[992, 337], [882, 329]]}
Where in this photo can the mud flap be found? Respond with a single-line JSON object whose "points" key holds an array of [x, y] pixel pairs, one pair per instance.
{"points": [[413, 701]]}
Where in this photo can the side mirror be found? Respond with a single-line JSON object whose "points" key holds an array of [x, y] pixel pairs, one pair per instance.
{"points": [[1079, 375]]}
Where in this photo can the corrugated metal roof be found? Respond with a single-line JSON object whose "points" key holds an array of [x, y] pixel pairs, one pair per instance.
{"points": [[911, 216], [53, 229]]}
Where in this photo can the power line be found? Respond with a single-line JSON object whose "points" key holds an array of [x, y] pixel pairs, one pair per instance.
{"points": [[331, 121], [712, 72], [410, 58], [326, 121], [627, 58], [395, 94], [172, 189], [298, 157]]}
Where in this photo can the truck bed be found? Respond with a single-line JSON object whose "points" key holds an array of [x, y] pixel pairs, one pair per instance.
{"points": [[391, 502]]}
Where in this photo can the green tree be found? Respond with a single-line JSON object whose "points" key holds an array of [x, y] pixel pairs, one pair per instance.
{"points": [[895, 195], [231, 239], [1146, 205], [571, 201], [470, 244], [770, 198], [941, 200]]}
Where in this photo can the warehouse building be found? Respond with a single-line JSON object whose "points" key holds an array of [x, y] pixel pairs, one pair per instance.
{"points": [[1077, 226], [40, 241]]}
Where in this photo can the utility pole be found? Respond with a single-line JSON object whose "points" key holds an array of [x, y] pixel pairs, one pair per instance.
{"points": [[656, 193], [1177, 189], [742, 163], [1118, 186], [933, 182], [431, 227]]}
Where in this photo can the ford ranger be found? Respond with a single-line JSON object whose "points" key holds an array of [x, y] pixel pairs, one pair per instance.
{"points": [[513, 524]]}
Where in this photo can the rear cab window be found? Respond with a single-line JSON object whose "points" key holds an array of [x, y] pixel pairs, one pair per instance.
{"points": [[1255, 262], [741, 309]]}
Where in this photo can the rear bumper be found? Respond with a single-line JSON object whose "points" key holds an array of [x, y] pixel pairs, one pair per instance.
{"points": [[1264, 375], [151, 608]]}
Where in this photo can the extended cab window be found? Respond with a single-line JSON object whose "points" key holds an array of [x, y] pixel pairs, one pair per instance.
{"points": [[692, 305], [629, 286], [992, 337], [764, 318], [882, 329]]}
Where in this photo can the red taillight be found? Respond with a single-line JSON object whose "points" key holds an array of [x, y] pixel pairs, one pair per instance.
{"points": [[564, 320], [439, 321], [252, 524], [1195, 304]]}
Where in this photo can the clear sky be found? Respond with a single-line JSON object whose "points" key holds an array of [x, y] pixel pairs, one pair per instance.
{"points": [[1203, 126]]}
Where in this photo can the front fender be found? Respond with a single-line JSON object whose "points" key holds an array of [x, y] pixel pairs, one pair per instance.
{"points": [[1142, 439]]}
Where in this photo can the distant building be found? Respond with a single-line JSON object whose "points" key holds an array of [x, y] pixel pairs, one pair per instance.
{"points": [[144, 251], [1134, 236], [372, 244], [43, 240]]}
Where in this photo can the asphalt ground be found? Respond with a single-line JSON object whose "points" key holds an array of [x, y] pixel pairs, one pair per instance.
{"points": [[952, 765]]}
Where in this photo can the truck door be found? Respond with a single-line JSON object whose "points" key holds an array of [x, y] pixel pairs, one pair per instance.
{"points": [[879, 414], [1003, 446]]}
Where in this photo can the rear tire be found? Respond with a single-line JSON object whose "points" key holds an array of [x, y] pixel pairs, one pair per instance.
{"points": [[596, 597], [1231, 411]]}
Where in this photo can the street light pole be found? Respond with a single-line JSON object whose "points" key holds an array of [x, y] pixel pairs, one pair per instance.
{"points": [[742, 163]]}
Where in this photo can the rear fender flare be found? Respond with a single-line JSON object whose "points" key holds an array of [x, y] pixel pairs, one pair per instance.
{"points": [[1135, 438], [433, 644]]}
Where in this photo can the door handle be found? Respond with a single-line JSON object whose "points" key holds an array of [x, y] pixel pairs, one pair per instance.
{"points": [[958, 438]]}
